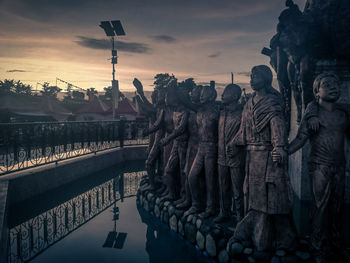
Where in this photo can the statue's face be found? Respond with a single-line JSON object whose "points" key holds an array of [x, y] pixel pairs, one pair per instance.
{"points": [[329, 89], [160, 97], [228, 96], [170, 99], [195, 94], [257, 81], [206, 95]]}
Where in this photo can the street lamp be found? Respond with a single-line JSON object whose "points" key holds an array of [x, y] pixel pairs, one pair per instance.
{"points": [[112, 29]]}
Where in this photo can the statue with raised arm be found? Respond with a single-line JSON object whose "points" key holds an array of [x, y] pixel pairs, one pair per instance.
{"points": [[267, 223], [177, 159], [192, 147], [206, 157], [230, 167], [156, 128], [325, 125]]}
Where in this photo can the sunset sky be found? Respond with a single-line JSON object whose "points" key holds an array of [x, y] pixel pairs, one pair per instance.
{"points": [[44, 39]]}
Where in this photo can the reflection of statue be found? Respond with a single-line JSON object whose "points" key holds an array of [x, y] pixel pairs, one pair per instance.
{"points": [[231, 174], [177, 157], [324, 124], [267, 222], [206, 157], [154, 153]]}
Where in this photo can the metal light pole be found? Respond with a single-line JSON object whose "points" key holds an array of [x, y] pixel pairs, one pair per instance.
{"points": [[113, 28]]}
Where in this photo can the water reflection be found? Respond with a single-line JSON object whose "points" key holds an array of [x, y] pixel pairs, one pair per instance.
{"points": [[35, 235]]}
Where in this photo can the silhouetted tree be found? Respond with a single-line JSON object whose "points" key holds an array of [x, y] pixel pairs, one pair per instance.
{"points": [[162, 80], [77, 95], [50, 91]]}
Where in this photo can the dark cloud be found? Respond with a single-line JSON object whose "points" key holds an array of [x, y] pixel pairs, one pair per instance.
{"points": [[95, 43], [214, 55], [16, 70], [163, 38]]}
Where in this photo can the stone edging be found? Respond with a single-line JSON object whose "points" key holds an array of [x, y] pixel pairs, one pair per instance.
{"points": [[211, 238]]}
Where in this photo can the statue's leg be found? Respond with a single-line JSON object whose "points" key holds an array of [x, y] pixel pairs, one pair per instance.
{"points": [[237, 179], [171, 173], [150, 166], [321, 191], [182, 162], [225, 193], [285, 232], [336, 207], [194, 183], [211, 181]]}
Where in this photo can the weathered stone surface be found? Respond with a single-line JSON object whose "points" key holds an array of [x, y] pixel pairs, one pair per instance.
{"points": [[275, 259], [200, 240], [251, 259], [181, 228], [198, 223], [173, 223], [166, 203], [171, 210], [303, 255], [210, 245], [248, 251], [194, 219], [223, 256], [190, 232], [236, 249], [157, 201], [156, 211], [280, 253]]}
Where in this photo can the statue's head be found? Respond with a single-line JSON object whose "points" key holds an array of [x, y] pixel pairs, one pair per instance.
{"points": [[160, 96], [232, 93], [195, 94], [171, 95], [208, 94], [289, 3], [326, 87], [260, 77]]}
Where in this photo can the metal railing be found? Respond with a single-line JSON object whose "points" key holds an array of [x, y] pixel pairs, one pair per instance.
{"points": [[34, 236], [26, 145]]}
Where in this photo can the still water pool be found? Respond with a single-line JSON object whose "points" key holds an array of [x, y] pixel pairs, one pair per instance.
{"points": [[95, 219]]}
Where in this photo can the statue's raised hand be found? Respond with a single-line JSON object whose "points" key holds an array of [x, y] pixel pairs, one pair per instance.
{"points": [[138, 85]]}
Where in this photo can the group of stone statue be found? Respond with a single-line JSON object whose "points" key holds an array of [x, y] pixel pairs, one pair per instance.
{"points": [[208, 156], [210, 153]]}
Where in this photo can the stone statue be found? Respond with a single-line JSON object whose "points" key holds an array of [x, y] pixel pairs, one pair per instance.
{"points": [[154, 149], [325, 124], [267, 223], [230, 168], [193, 141], [206, 157], [177, 159]]}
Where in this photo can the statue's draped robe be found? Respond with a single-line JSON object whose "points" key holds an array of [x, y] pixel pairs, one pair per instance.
{"points": [[267, 189]]}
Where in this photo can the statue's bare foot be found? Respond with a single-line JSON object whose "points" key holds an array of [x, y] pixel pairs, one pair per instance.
{"points": [[207, 213], [168, 197], [149, 187], [184, 205], [179, 201], [222, 218], [191, 211]]}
